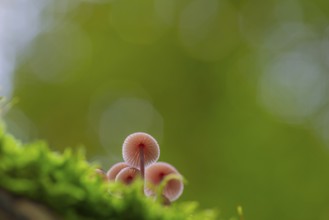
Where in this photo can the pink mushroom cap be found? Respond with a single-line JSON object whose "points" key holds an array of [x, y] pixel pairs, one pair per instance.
{"points": [[101, 173], [114, 170], [155, 173], [134, 143], [127, 175]]}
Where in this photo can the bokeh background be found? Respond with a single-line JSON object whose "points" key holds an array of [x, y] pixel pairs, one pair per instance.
{"points": [[235, 91]]}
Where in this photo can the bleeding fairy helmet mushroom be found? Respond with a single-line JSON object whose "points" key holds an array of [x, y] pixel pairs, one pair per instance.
{"points": [[114, 170], [156, 173], [127, 175], [140, 150], [101, 173]]}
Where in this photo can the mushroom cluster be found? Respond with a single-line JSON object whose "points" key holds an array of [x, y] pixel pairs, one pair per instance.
{"points": [[140, 154]]}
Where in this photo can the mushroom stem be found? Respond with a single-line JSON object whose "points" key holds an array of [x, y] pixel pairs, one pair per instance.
{"points": [[165, 201], [142, 161]]}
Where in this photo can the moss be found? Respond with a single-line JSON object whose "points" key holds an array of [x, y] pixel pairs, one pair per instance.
{"points": [[67, 184]]}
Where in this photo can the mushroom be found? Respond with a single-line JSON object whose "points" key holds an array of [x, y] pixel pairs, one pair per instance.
{"points": [[163, 173], [114, 170], [140, 150], [100, 173], [127, 175]]}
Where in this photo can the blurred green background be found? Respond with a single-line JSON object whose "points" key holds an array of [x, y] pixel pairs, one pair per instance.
{"points": [[236, 92]]}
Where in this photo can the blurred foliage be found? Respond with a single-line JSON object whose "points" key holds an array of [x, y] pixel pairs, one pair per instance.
{"points": [[235, 91], [67, 184]]}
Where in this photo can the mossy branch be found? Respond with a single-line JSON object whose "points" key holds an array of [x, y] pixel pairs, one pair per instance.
{"points": [[65, 186]]}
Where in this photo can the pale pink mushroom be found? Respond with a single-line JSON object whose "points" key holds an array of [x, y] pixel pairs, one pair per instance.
{"points": [[127, 175], [114, 170], [101, 173], [156, 173], [140, 150]]}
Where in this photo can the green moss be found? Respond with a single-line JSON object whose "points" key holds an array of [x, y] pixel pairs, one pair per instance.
{"points": [[67, 184]]}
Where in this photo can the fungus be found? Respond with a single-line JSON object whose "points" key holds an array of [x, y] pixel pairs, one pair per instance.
{"points": [[163, 173], [140, 150], [100, 173], [114, 170], [127, 175]]}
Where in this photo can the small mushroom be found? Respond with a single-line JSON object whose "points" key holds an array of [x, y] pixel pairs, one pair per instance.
{"points": [[140, 150], [114, 170], [100, 173], [156, 173], [127, 175]]}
